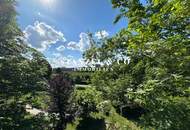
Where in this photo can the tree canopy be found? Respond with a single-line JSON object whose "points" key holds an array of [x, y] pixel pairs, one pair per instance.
{"points": [[23, 71], [157, 77]]}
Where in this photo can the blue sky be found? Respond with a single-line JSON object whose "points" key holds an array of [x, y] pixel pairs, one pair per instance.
{"points": [[58, 28]]}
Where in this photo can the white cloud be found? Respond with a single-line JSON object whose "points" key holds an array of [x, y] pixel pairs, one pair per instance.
{"points": [[82, 45], [101, 34], [56, 55], [84, 42], [65, 61], [41, 36], [73, 46], [60, 48], [39, 13]]}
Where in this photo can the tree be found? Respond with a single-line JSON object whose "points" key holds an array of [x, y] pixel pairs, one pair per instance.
{"points": [[60, 90], [157, 77], [23, 71], [87, 101]]}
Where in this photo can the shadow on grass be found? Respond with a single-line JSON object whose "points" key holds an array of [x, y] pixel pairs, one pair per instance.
{"points": [[91, 124]]}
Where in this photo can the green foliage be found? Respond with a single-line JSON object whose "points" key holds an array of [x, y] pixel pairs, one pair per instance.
{"points": [[60, 91], [87, 100], [157, 77], [73, 126], [81, 77], [23, 71], [39, 100], [78, 77], [93, 106], [114, 121]]}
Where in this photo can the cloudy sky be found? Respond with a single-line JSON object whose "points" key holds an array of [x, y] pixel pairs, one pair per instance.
{"points": [[58, 28]]}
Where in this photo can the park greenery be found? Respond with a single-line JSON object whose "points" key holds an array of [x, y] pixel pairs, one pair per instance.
{"points": [[151, 92]]}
